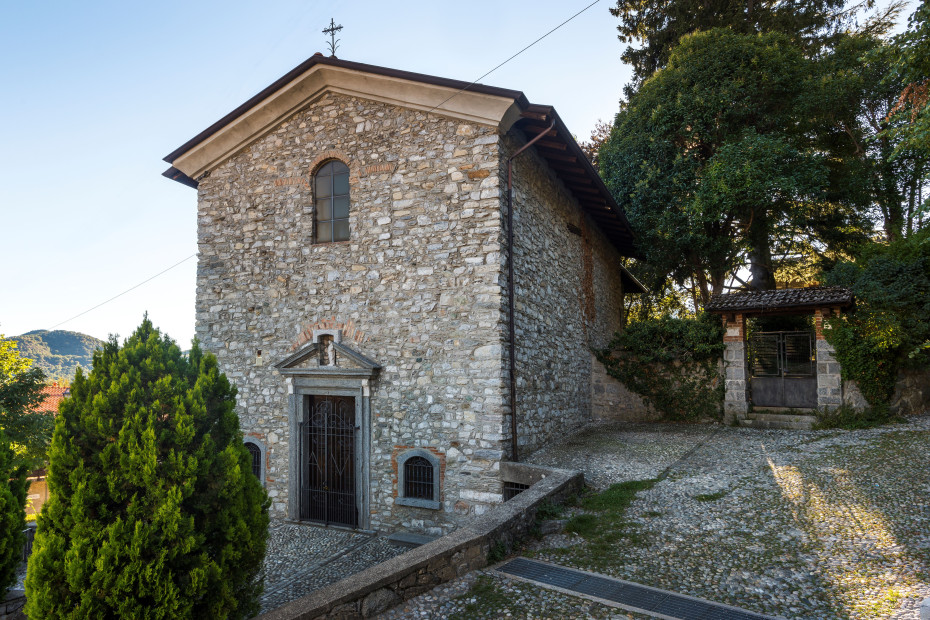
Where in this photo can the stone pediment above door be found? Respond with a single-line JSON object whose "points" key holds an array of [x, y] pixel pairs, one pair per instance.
{"points": [[335, 359]]}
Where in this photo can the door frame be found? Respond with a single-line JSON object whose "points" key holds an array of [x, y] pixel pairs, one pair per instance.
{"points": [[298, 387], [304, 377]]}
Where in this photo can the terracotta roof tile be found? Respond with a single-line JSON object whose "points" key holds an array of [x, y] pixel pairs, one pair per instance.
{"points": [[53, 395], [810, 297]]}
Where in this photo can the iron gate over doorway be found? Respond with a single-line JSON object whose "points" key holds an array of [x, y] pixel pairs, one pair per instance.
{"points": [[784, 371], [327, 461]]}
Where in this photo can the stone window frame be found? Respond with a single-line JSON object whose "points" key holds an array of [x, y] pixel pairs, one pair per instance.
{"points": [[402, 458], [332, 220], [258, 443]]}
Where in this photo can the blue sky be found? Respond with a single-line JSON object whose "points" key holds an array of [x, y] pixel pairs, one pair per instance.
{"points": [[95, 94]]}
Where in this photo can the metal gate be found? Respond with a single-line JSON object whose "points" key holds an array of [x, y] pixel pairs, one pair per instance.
{"points": [[784, 371], [327, 461]]}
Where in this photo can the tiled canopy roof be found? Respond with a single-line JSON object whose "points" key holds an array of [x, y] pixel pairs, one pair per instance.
{"points": [[784, 298]]}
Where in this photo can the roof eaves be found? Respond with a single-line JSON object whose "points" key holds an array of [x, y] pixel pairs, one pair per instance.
{"points": [[319, 59]]}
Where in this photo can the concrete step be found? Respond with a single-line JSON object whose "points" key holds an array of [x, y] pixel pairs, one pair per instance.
{"points": [[779, 421]]}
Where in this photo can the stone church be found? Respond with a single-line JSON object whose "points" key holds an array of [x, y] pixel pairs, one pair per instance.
{"points": [[354, 282]]}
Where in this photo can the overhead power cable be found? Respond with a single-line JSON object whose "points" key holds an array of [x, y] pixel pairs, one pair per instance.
{"points": [[459, 92], [126, 291]]}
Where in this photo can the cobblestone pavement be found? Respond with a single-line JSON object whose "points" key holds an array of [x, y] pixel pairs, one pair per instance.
{"points": [[801, 524], [303, 558]]}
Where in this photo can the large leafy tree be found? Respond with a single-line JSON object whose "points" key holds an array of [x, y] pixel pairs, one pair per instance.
{"points": [[21, 386], [153, 509], [913, 70], [719, 161], [658, 25], [861, 89]]}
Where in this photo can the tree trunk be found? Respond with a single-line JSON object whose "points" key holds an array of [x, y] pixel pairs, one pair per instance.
{"points": [[760, 254]]}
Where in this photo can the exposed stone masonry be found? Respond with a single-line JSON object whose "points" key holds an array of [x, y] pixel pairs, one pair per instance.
{"points": [[568, 300], [420, 288], [419, 278]]}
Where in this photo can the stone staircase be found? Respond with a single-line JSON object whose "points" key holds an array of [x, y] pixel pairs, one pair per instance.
{"points": [[803, 420]]}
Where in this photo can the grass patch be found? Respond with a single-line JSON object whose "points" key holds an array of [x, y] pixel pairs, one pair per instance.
{"points": [[486, 600], [712, 497], [548, 510], [604, 525], [848, 418], [618, 497], [497, 553]]}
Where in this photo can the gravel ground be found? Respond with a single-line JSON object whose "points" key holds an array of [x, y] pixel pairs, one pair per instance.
{"points": [[801, 524], [507, 598], [302, 558]]}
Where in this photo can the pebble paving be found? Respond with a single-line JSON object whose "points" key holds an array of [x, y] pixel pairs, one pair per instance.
{"points": [[799, 524], [303, 558]]}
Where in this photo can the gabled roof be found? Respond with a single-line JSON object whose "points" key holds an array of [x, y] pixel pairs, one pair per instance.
{"points": [[780, 299], [489, 105]]}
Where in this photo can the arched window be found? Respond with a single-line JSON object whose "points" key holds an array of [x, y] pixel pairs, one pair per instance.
{"points": [[256, 453], [418, 479], [331, 193]]}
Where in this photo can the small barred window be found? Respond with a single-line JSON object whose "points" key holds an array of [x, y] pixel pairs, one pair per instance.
{"points": [[418, 478], [256, 453]]}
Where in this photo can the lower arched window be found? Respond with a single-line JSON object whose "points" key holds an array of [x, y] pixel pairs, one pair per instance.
{"points": [[255, 452], [418, 479]]}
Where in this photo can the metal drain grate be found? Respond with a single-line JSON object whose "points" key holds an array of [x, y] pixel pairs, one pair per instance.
{"points": [[629, 595]]}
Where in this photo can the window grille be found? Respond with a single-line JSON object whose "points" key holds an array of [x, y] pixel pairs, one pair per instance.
{"points": [[418, 478], [256, 453], [512, 489], [331, 193]]}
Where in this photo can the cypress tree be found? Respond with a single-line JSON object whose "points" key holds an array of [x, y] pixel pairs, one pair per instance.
{"points": [[12, 513], [153, 511]]}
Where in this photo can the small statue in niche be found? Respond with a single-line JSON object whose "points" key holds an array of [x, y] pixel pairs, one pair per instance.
{"points": [[327, 351]]}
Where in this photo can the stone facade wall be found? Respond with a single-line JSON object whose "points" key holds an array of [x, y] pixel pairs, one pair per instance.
{"points": [[568, 299], [416, 288], [611, 400]]}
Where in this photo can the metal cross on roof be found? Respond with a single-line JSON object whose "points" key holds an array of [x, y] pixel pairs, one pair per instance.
{"points": [[331, 31]]}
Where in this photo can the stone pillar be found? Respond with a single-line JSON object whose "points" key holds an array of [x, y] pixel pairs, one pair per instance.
{"points": [[736, 399], [829, 383]]}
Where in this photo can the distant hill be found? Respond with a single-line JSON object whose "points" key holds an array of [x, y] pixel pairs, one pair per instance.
{"points": [[58, 352]]}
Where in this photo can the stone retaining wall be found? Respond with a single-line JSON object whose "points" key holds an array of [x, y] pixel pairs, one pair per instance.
{"points": [[911, 393], [376, 589], [12, 606], [611, 400]]}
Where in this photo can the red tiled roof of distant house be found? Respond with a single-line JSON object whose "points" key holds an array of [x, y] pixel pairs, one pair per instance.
{"points": [[53, 394]]}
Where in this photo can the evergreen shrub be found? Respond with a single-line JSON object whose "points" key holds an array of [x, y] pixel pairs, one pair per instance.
{"points": [[12, 513], [890, 325], [153, 511]]}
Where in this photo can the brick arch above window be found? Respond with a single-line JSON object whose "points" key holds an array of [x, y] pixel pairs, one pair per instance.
{"points": [[342, 156]]}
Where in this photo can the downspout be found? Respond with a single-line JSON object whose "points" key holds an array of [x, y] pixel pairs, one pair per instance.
{"points": [[512, 290]]}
